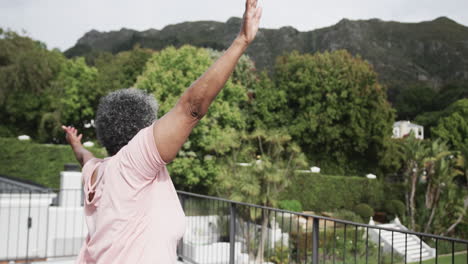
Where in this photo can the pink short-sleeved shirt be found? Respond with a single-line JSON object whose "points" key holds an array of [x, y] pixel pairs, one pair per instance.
{"points": [[135, 215]]}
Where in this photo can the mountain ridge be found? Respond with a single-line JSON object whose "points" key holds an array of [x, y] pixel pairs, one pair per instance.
{"points": [[433, 52]]}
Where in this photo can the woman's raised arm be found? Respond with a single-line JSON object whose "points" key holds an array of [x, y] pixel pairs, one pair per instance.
{"points": [[172, 130]]}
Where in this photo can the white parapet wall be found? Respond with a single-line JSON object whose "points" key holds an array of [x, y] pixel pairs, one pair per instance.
{"points": [[24, 218], [34, 225], [71, 194]]}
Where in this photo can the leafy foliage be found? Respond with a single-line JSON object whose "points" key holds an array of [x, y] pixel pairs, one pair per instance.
{"points": [[453, 128], [395, 208], [412, 101], [71, 98], [39, 163], [364, 210], [27, 69], [334, 108], [167, 75], [290, 205], [313, 191]]}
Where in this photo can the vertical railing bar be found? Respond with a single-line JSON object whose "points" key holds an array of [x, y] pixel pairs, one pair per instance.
{"points": [[74, 222], [391, 261], [38, 224], [437, 251], [19, 221], [220, 208], [344, 245], [355, 244], [324, 241], [453, 252], [406, 248], [378, 253], [274, 233], [289, 237], [65, 228], [56, 220], [9, 216], [305, 247], [315, 240], [367, 245], [281, 234], [268, 233], [248, 232], [334, 241], [255, 233], [298, 240], [29, 226], [232, 233], [420, 249], [47, 229]]}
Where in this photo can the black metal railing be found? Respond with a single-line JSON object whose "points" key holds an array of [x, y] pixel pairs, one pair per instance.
{"points": [[224, 231], [37, 226]]}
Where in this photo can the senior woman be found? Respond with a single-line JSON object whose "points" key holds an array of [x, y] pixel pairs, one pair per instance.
{"points": [[131, 207]]}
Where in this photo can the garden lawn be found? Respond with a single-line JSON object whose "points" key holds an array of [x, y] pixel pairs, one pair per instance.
{"points": [[447, 259]]}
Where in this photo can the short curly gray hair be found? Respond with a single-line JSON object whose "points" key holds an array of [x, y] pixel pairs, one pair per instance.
{"points": [[121, 114]]}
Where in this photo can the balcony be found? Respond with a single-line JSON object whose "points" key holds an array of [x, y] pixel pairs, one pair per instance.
{"points": [[47, 226]]}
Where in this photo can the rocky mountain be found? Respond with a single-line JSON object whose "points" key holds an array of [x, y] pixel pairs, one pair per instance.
{"points": [[435, 51]]}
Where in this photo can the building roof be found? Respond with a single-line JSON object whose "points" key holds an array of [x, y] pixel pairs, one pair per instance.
{"points": [[15, 185], [407, 123]]}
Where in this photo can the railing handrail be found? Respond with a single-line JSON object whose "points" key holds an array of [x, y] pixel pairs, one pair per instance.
{"points": [[326, 218]]}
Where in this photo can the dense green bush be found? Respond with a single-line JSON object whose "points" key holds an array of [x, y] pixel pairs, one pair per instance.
{"points": [[318, 192], [347, 215], [291, 205], [39, 163], [364, 210], [395, 208]]}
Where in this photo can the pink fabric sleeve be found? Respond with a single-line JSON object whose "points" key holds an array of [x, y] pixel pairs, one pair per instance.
{"points": [[88, 169], [139, 159]]}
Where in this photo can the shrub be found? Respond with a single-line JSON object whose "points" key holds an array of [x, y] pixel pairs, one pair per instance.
{"points": [[364, 210], [395, 208], [317, 192], [290, 205], [347, 215], [39, 163]]}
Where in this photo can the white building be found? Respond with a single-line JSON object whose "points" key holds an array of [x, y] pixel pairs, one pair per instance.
{"points": [[404, 128]]}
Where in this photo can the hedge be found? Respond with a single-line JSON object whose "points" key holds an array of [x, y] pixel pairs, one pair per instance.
{"points": [[319, 193], [39, 163]]}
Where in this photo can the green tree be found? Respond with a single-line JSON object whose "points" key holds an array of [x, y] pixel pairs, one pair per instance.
{"points": [[71, 98], [121, 70], [168, 74], [415, 153], [334, 108], [439, 173], [413, 101], [454, 126], [27, 69], [258, 170]]}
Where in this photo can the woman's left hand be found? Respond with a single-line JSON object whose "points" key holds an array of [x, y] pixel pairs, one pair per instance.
{"points": [[251, 21], [72, 135]]}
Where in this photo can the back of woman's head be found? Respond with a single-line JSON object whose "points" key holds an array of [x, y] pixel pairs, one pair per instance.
{"points": [[121, 114]]}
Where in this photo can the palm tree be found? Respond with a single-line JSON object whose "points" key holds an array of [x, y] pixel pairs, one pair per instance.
{"points": [[275, 158], [440, 173], [462, 168], [415, 152]]}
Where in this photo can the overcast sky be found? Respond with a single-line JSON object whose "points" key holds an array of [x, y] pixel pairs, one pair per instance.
{"points": [[60, 23]]}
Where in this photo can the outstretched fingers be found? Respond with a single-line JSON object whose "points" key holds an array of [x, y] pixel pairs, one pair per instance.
{"points": [[250, 5], [258, 14]]}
